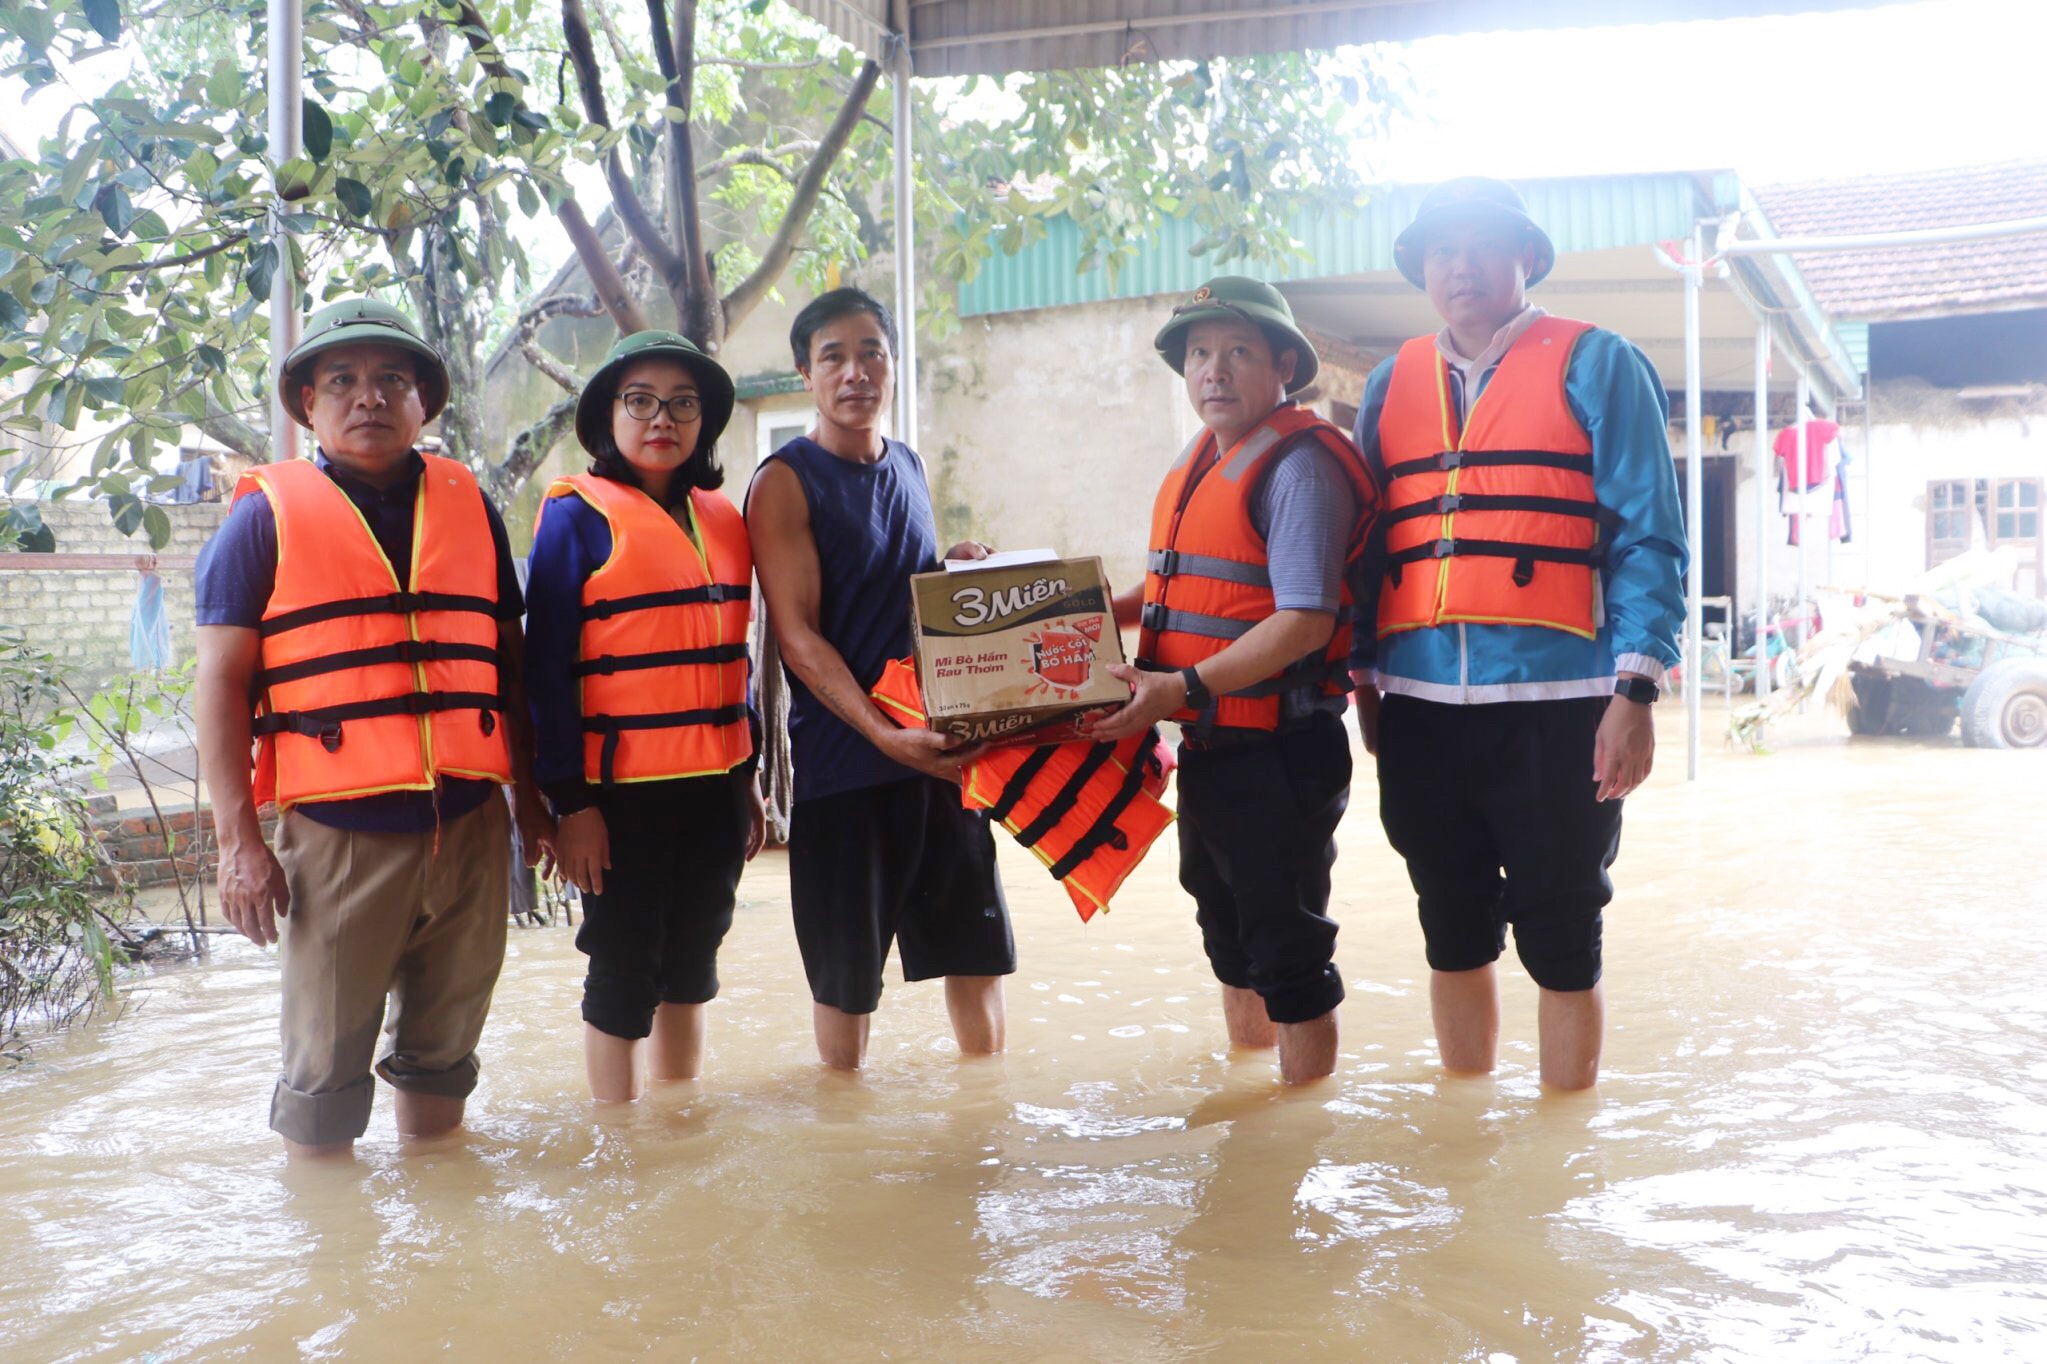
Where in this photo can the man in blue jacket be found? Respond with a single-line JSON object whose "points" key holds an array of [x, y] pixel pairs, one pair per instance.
{"points": [[1528, 605]]}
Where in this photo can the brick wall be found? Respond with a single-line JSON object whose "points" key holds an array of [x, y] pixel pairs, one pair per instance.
{"points": [[139, 852], [82, 617]]}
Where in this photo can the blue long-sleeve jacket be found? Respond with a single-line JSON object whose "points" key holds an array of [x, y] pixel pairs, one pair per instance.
{"points": [[1617, 397]]}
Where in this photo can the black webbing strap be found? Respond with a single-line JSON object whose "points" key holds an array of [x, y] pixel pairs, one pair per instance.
{"points": [[1103, 832], [612, 726], [711, 593], [390, 604], [607, 664], [1525, 557], [1308, 674], [1057, 808], [324, 723], [1019, 782], [405, 651], [1445, 460], [1450, 503]]}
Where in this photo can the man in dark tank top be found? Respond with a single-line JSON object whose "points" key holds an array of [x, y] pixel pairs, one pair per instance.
{"points": [[879, 848]]}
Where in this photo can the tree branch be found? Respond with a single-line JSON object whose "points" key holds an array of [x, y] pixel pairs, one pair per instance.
{"points": [[236, 434], [769, 157], [533, 445], [525, 336], [697, 301], [605, 21], [624, 198], [748, 293], [161, 262], [611, 287]]}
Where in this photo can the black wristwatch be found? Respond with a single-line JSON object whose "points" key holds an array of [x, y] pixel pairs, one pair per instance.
{"points": [[1637, 689], [1197, 694]]}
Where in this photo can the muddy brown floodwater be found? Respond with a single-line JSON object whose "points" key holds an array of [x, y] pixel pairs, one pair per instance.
{"points": [[1821, 1135]]}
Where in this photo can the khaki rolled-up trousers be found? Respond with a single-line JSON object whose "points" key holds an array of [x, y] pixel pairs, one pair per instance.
{"points": [[418, 918]]}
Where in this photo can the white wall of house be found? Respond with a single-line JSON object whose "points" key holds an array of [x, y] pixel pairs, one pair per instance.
{"points": [[1892, 465]]}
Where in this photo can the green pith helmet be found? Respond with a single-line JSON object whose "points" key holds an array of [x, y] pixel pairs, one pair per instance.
{"points": [[714, 385], [1470, 199], [352, 322], [1236, 298]]}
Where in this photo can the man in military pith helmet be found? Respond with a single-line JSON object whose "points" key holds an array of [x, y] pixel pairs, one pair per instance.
{"points": [[1245, 617], [1528, 607], [365, 599]]}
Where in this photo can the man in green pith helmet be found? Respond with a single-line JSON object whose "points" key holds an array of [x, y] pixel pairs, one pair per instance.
{"points": [[1245, 628], [359, 630]]}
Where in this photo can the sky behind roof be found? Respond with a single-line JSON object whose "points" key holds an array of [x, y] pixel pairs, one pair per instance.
{"points": [[1796, 97]]}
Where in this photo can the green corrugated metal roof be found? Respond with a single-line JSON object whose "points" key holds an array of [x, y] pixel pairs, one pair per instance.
{"points": [[1588, 214]]}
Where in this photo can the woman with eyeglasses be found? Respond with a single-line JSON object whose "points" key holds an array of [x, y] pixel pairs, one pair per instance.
{"points": [[638, 601]]}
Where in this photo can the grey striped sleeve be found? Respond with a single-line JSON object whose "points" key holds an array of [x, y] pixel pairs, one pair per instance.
{"points": [[1305, 509]]}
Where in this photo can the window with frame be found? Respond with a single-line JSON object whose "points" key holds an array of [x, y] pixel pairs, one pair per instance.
{"points": [[1950, 514]]}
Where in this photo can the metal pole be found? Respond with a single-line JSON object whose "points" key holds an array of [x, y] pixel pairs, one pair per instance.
{"points": [[1869, 502], [1695, 481], [1763, 454], [906, 235], [1798, 457], [287, 20]]}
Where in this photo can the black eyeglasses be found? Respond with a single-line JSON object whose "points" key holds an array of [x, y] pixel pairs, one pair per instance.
{"points": [[641, 406]]}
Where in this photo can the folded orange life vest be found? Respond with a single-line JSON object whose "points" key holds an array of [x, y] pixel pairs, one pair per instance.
{"points": [[1089, 812]]}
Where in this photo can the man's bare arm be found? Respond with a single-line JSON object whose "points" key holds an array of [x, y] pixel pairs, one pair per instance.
{"points": [[253, 894], [792, 582]]}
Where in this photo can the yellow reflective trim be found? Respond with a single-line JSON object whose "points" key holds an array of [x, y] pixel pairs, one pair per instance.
{"points": [[1522, 620]]}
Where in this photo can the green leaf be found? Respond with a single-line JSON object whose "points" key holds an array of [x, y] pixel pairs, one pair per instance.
{"points": [[14, 317], [116, 209], [500, 107], [527, 118], [108, 389], [127, 511], [317, 130], [262, 263], [354, 196], [158, 524], [41, 540]]}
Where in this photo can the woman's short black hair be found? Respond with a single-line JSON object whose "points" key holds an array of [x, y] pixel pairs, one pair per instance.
{"points": [[701, 470], [829, 307]]}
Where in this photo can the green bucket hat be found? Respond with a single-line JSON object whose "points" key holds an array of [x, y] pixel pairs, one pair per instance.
{"points": [[352, 322], [714, 385], [1236, 298], [1469, 199]]}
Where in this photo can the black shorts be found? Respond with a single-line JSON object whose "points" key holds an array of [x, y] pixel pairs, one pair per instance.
{"points": [[677, 848], [1493, 808], [903, 862], [1257, 839]]}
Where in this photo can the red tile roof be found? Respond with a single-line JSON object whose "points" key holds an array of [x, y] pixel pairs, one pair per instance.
{"points": [[1919, 281]]}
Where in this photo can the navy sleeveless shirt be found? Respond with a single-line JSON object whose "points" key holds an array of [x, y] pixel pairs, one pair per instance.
{"points": [[873, 527]]}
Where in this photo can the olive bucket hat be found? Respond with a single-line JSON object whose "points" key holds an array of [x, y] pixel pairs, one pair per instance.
{"points": [[1236, 298], [714, 385], [1470, 199], [354, 321]]}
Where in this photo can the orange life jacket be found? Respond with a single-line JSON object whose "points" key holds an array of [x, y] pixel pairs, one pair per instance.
{"points": [[1089, 812], [1496, 523], [363, 687], [662, 659], [1206, 582]]}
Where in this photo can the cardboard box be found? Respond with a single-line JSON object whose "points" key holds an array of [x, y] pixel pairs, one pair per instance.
{"points": [[1017, 649]]}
